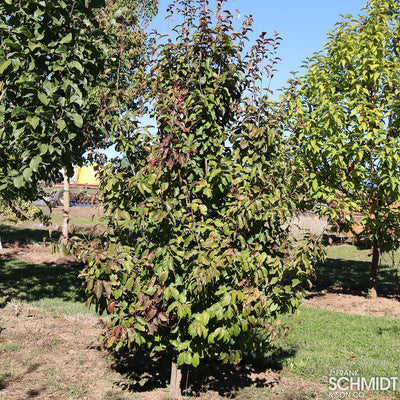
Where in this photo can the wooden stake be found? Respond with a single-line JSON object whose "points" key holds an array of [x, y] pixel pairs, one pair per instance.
{"points": [[175, 381], [65, 218]]}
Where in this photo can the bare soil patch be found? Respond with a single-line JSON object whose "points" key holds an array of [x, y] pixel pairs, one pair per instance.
{"points": [[351, 304], [34, 253]]}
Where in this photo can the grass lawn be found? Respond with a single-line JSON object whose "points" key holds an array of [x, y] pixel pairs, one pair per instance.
{"points": [[81, 218], [22, 233], [327, 341], [55, 288], [348, 267]]}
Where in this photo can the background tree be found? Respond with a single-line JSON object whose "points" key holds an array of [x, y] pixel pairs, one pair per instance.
{"points": [[196, 255], [125, 22], [345, 124], [51, 56], [59, 62]]}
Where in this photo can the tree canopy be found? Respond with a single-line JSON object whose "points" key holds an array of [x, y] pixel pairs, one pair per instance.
{"points": [[59, 62], [51, 55], [345, 125]]}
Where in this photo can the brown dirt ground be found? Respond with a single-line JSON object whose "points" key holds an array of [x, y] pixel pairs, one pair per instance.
{"points": [[35, 254], [61, 359], [54, 356], [360, 305]]}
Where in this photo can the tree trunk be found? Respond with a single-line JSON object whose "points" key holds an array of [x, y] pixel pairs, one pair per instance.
{"points": [[176, 378], [373, 277], [65, 218]]}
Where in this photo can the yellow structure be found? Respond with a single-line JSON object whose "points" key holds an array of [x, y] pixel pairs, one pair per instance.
{"points": [[86, 175]]}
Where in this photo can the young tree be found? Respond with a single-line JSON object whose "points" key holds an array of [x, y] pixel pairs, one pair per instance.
{"points": [[345, 123], [196, 254]]}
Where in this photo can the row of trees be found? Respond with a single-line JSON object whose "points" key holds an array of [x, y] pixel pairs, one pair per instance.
{"points": [[197, 252]]}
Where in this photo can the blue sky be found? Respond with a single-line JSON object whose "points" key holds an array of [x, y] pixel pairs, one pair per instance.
{"points": [[302, 24]]}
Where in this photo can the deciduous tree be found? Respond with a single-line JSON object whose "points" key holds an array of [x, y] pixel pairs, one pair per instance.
{"points": [[51, 56], [64, 69], [345, 124], [197, 253]]}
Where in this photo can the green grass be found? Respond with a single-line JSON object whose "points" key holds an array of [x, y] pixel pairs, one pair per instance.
{"points": [[348, 267], [81, 221], [22, 234], [327, 341], [9, 347], [56, 288], [29, 232]]}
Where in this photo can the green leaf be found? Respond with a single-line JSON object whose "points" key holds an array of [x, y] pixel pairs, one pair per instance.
{"points": [[78, 120], [170, 263], [203, 209], [188, 358], [77, 65], [61, 124], [207, 192], [66, 39], [19, 181], [204, 318], [273, 307], [4, 65], [43, 98], [195, 360], [76, 99], [274, 280], [163, 276], [27, 174], [129, 283], [33, 121], [35, 162], [174, 292], [181, 359], [295, 282]]}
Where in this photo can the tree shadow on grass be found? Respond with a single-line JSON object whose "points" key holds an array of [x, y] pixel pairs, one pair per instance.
{"points": [[352, 277], [145, 373], [30, 282], [15, 234], [22, 236]]}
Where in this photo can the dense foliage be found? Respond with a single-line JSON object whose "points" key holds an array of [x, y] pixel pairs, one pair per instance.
{"points": [[197, 252], [59, 64], [51, 56], [345, 122]]}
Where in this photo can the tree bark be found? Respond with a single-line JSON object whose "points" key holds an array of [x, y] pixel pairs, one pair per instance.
{"points": [[373, 277], [176, 378], [65, 218]]}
